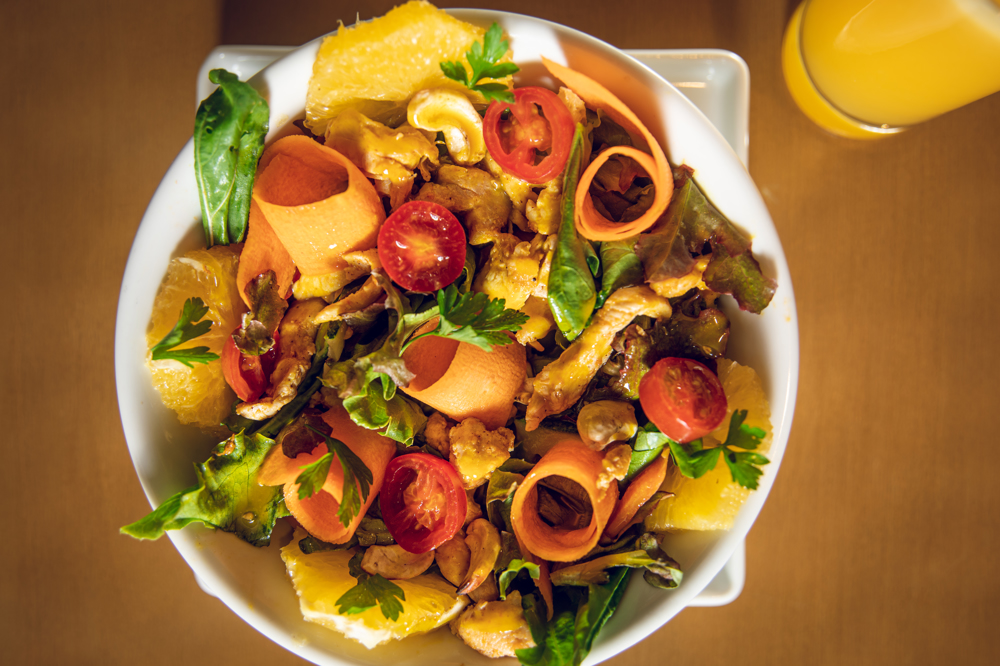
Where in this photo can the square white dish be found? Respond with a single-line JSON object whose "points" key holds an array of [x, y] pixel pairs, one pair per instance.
{"points": [[252, 581]]}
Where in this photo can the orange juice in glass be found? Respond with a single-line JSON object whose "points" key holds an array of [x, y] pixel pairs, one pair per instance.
{"points": [[868, 68]]}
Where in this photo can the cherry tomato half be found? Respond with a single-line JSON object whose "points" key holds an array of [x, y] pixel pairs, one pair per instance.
{"points": [[514, 142], [422, 246], [248, 375], [683, 398], [422, 501]]}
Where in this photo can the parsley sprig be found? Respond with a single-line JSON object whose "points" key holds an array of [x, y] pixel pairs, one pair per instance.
{"points": [[188, 327], [357, 477], [483, 60], [694, 461], [473, 318], [369, 591]]}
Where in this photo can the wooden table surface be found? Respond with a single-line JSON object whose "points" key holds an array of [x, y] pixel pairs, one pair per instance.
{"points": [[878, 543]]}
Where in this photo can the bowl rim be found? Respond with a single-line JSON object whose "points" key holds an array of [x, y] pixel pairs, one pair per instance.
{"points": [[620, 633]]}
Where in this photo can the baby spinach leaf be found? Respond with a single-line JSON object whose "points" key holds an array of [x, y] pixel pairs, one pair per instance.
{"points": [[571, 291], [229, 132]]}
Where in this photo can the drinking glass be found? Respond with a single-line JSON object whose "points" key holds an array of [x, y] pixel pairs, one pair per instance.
{"points": [[869, 68]]}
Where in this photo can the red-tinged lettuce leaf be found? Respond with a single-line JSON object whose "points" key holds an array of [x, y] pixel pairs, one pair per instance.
{"points": [[740, 276], [267, 307], [691, 222]]}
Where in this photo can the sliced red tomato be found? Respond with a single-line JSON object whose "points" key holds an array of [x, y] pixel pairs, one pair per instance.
{"points": [[516, 141], [248, 375], [683, 398], [422, 501], [422, 246]]}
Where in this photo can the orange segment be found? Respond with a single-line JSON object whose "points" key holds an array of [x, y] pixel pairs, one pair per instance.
{"points": [[199, 395], [377, 65]]}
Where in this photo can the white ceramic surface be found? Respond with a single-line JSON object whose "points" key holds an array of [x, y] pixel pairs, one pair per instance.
{"points": [[252, 581]]}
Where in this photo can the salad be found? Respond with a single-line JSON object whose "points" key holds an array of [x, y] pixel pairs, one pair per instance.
{"points": [[463, 336]]}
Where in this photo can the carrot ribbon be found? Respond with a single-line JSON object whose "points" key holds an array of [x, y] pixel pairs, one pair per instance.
{"points": [[319, 205], [589, 222], [318, 513], [576, 462], [638, 493]]}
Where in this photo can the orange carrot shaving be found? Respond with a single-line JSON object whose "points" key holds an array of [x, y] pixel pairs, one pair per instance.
{"points": [[462, 380], [263, 252], [317, 202], [638, 493], [574, 461], [318, 513], [589, 222]]}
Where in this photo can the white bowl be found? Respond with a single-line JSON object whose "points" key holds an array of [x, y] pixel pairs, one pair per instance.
{"points": [[252, 581]]}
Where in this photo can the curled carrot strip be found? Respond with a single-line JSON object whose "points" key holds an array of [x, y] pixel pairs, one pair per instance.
{"points": [[576, 462], [589, 222], [317, 202], [638, 493], [263, 252], [463, 381], [318, 514]]}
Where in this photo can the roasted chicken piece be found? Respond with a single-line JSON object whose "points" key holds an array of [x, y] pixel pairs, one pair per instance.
{"points": [[562, 382], [388, 156], [436, 433], [494, 628], [476, 452], [369, 292], [298, 344], [356, 264], [512, 270], [678, 286], [474, 193], [395, 563]]}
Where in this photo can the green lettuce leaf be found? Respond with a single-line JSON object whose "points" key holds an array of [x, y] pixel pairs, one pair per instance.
{"points": [[227, 496], [578, 616], [229, 132], [620, 267]]}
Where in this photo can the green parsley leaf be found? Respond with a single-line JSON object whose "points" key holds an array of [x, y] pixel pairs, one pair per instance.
{"points": [[483, 60], [744, 466], [188, 327], [693, 461], [370, 591], [473, 318], [357, 478], [313, 476]]}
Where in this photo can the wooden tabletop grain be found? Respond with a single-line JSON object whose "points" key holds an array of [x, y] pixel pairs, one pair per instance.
{"points": [[878, 543]]}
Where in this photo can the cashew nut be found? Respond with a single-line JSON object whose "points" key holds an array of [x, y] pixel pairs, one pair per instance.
{"points": [[450, 112], [394, 563], [483, 541], [605, 421]]}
